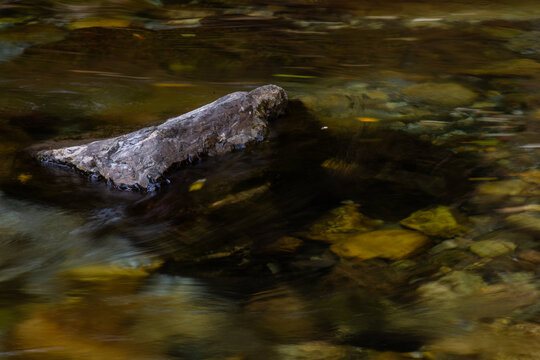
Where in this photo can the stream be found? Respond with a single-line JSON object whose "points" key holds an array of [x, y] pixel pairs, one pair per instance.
{"points": [[392, 213]]}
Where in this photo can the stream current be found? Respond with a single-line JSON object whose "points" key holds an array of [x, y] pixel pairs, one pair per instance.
{"points": [[392, 213]]}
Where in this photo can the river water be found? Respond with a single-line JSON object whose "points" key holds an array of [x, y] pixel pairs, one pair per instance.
{"points": [[392, 213]]}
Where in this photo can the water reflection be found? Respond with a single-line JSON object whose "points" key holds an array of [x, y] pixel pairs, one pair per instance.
{"points": [[408, 118]]}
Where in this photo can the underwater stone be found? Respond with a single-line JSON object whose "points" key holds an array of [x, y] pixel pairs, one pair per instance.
{"points": [[492, 248], [139, 159], [447, 94], [527, 221], [503, 187], [387, 244], [440, 221], [340, 223], [513, 67]]}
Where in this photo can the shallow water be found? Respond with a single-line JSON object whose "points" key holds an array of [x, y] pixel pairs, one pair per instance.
{"points": [[395, 107]]}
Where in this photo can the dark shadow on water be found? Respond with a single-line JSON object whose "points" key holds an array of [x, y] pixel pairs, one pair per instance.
{"points": [[295, 175], [386, 341]]}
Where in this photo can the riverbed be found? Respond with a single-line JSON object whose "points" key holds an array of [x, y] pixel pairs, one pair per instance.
{"points": [[393, 211]]}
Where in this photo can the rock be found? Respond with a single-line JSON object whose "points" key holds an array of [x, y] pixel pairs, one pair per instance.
{"points": [[525, 43], [65, 341], [451, 286], [282, 313], [492, 248], [387, 244], [120, 321], [375, 276], [340, 223], [314, 350], [453, 259], [139, 159], [503, 187], [446, 94], [441, 221], [457, 243], [285, 244], [529, 255], [501, 339], [513, 67], [528, 221], [531, 176]]}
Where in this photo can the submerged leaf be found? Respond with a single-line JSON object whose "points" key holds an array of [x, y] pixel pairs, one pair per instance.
{"points": [[197, 185], [367, 119], [294, 76], [24, 178], [92, 22]]}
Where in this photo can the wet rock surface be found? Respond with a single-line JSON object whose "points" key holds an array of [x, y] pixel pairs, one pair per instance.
{"points": [[139, 159]]}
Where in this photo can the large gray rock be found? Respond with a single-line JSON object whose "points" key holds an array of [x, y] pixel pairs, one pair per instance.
{"points": [[139, 159]]}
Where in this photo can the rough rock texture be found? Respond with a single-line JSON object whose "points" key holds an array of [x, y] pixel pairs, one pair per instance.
{"points": [[139, 159]]}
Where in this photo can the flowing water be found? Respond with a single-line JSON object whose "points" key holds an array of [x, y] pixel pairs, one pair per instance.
{"points": [[294, 248]]}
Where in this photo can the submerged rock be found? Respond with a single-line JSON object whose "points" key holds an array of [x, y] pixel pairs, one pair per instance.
{"points": [[502, 187], [314, 350], [282, 313], [527, 221], [492, 248], [451, 286], [447, 94], [139, 159], [285, 244], [513, 67], [387, 244], [441, 221], [530, 255], [340, 223]]}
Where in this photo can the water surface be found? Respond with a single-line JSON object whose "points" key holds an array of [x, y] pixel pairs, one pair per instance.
{"points": [[395, 107]]}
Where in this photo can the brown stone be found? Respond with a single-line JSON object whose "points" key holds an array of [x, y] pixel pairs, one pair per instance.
{"points": [[529, 255]]}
